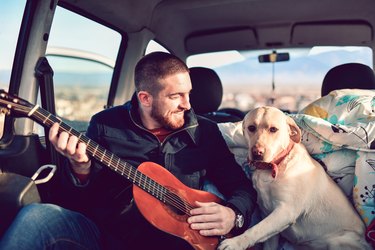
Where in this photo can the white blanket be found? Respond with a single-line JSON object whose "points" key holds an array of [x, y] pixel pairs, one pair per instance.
{"points": [[338, 130]]}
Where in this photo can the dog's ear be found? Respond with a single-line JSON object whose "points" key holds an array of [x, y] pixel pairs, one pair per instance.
{"points": [[295, 131]]}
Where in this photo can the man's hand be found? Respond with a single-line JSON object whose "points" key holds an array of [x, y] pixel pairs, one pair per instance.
{"points": [[70, 148], [211, 219]]}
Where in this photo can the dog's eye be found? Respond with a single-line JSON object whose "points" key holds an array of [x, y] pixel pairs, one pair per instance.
{"points": [[251, 128], [273, 129]]}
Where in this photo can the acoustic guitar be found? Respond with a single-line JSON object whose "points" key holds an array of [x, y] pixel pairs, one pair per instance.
{"points": [[161, 198]]}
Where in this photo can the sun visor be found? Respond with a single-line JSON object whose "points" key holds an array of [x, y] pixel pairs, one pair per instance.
{"points": [[208, 41], [331, 33]]}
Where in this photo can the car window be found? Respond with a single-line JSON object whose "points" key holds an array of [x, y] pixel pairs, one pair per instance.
{"points": [[247, 83], [81, 88], [10, 17], [154, 46], [82, 54]]}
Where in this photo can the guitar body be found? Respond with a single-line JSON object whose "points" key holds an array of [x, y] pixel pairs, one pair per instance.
{"points": [[167, 218]]}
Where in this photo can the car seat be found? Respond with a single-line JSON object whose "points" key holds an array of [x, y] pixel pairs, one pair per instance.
{"points": [[348, 76], [207, 94]]}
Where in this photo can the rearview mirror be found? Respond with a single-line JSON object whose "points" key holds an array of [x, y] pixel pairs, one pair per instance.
{"points": [[274, 57]]}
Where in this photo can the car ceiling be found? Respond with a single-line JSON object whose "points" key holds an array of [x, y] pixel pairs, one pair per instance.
{"points": [[195, 26]]}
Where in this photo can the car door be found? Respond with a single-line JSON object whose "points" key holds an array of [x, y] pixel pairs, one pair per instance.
{"points": [[80, 56]]}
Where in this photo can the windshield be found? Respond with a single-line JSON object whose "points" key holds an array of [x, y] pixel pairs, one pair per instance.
{"points": [[289, 85]]}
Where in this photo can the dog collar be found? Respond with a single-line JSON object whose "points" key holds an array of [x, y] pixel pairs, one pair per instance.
{"points": [[273, 165]]}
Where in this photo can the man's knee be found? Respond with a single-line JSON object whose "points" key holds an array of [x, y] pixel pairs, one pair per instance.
{"points": [[39, 210], [38, 214]]}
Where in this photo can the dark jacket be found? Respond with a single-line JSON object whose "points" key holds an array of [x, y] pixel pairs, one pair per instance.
{"points": [[192, 153]]}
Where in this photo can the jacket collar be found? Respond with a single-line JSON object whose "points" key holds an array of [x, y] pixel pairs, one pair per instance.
{"points": [[191, 121]]}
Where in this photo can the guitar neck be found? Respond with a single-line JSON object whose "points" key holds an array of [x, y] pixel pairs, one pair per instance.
{"points": [[102, 155]]}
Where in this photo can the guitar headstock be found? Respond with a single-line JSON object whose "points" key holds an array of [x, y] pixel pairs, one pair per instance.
{"points": [[14, 105]]}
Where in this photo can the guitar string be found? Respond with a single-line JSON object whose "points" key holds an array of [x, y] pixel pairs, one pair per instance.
{"points": [[137, 178], [170, 196], [167, 193], [177, 203]]}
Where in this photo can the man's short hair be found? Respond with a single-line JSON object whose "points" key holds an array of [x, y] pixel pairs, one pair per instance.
{"points": [[155, 66]]}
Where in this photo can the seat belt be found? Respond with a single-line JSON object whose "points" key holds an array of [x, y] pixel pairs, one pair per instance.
{"points": [[44, 75]]}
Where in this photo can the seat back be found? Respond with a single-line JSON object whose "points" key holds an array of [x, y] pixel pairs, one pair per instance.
{"points": [[207, 94], [348, 76]]}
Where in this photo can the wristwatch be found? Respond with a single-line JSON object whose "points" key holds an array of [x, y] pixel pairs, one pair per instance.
{"points": [[239, 220]]}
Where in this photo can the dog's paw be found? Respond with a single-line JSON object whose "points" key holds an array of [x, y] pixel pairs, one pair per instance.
{"points": [[233, 244]]}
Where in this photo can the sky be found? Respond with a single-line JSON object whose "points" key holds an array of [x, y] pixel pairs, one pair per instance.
{"points": [[10, 19], [68, 30]]}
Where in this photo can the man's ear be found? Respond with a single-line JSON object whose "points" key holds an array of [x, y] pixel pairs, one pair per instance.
{"points": [[145, 98]]}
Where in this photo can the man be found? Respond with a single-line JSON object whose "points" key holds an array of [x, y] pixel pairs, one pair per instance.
{"points": [[157, 125]]}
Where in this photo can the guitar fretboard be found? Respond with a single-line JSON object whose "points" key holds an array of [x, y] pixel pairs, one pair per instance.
{"points": [[165, 194], [102, 155]]}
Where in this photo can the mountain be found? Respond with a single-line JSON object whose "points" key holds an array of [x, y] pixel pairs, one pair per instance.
{"points": [[84, 79], [306, 70], [299, 70], [68, 79]]}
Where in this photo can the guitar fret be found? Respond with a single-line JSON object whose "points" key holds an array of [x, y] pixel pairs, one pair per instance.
{"points": [[96, 148], [157, 190], [160, 194], [110, 160], [152, 190], [140, 183], [123, 169], [136, 180], [128, 173], [101, 159], [145, 183], [134, 175], [118, 161], [46, 119]]}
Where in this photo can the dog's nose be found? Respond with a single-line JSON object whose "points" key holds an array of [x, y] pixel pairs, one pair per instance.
{"points": [[257, 153]]}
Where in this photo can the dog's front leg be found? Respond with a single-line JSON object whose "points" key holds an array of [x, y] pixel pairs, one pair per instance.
{"points": [[280, 219]]}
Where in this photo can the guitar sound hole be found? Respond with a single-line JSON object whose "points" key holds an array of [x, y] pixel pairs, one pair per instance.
{"points": [[176, 204]]}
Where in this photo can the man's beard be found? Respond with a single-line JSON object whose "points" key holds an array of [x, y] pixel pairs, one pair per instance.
{"points": [[166, 121]]}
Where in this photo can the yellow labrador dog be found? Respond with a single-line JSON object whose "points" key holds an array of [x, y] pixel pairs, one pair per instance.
{"points": [[295, 195]]}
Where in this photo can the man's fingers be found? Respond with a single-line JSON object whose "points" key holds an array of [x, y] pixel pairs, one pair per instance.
{"points": [[204, 208], [81, 152], [211, 218], [202, 218], [211, 232], [72, 145], [205, 204], [62, 141], [53, 132], [208, 228]]}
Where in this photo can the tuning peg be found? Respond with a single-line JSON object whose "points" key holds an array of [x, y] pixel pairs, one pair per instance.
{"points": [[4, 111]]}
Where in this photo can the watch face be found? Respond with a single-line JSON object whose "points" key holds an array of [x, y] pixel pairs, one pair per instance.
{"points": [[239, 220]]}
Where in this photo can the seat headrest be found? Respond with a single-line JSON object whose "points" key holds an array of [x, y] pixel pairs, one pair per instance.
{"points": [[207, 91], [348, 76]]}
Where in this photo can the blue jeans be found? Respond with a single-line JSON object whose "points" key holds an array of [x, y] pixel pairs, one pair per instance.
{"points": [[47, 226]]}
